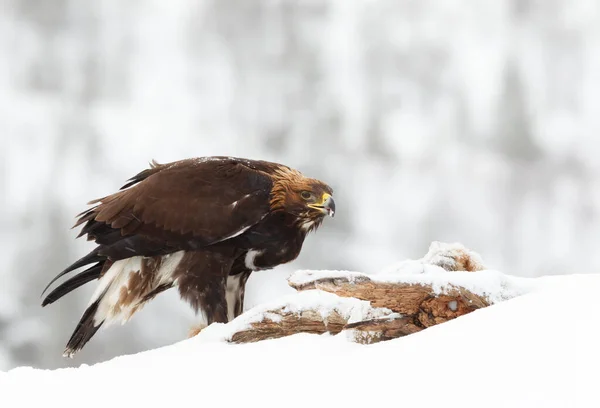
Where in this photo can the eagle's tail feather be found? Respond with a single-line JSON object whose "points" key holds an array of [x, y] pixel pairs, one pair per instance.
{"points": [[90, 258], [85, 330], [73, 283]]}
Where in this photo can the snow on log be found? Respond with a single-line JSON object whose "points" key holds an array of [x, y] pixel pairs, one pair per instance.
{"points": [[311, 311], [450, 281]]}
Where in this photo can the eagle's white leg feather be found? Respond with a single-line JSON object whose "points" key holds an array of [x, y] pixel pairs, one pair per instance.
{"points": [[233, 294], [118, 277]]}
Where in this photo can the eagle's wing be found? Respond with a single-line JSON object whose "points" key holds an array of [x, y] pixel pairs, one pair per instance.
{"points": [[206, 201]]}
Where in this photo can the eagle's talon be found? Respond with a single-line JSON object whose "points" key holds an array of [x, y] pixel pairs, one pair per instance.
{"points": [[195, 330]]}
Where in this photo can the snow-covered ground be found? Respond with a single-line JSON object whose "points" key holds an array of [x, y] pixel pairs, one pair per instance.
{"points": [[539, 349]]}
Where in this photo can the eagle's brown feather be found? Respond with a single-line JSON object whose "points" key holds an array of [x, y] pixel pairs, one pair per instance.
{"points": [[202, 225], [188, 199]]}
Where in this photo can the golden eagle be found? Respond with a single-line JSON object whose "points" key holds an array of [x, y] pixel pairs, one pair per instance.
{"points": [[201, 225]]}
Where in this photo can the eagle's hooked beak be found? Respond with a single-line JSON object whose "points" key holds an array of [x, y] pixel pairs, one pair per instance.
{"points": [[327, 205]]}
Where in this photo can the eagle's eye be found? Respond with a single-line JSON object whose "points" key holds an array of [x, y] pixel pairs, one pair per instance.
{"points": [[307, 195]]}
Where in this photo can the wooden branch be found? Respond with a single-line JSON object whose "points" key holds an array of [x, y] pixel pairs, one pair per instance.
{"points": [[277, 324], [376, 330], [404, 298]]}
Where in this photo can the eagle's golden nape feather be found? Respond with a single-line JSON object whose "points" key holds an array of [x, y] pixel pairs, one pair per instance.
{"points": [[200, 225], [285, 181]]}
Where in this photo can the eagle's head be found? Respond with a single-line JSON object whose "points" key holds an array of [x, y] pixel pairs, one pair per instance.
{"points": [[308, 199]]}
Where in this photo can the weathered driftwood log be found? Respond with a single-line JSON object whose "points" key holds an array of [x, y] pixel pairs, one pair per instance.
{"points": [[417, 300], [376, 330], [278, 323], [416, 307], [365, 332], [394, 309]]}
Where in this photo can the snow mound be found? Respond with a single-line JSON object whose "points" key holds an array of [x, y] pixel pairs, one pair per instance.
{"points": [[536, 346], [536, 350]]}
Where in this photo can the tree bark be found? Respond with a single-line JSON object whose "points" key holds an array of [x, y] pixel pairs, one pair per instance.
{"points": [[382, 329], [404, 298], [286, 324]]}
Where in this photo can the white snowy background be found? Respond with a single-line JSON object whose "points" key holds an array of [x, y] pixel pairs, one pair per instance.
{"points": [[450, 120]]}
